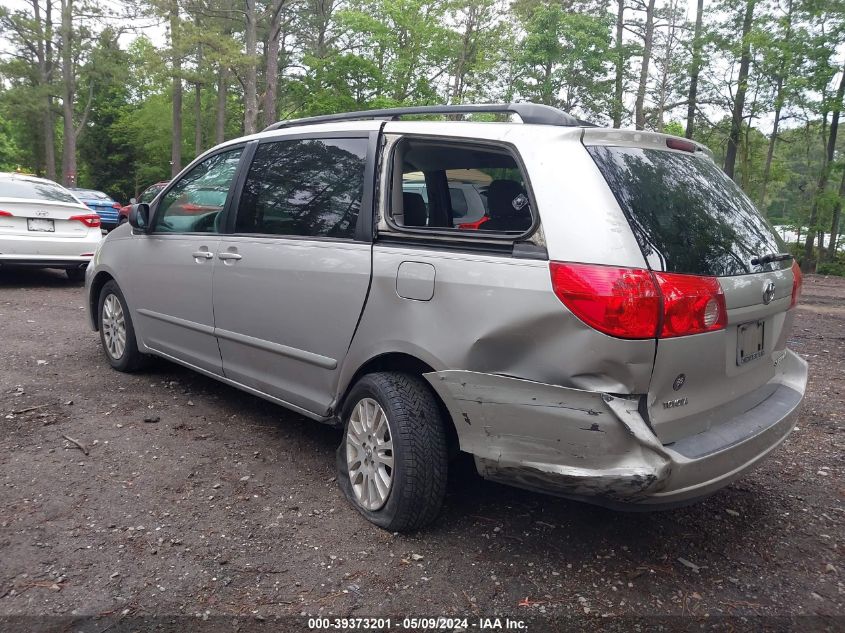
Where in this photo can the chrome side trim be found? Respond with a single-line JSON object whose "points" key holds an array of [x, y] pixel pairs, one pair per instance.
{"points": [[191, 325], [291, 352]]}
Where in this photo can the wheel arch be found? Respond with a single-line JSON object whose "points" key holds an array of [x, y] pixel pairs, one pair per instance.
{"points": [[97, 283], [405, 363]]}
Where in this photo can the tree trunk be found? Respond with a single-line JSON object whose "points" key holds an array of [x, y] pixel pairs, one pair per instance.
{"points": [[271, 69], [250, 83], [767, 170], [834, 225], [44, 52], [466, 53], [197, 119], [666, 63], [176, 134], [742, 86], [619, 83], [809, 264], [68, 96], [779, 99], [639, 106], [220, 118], [198, 104], [695, 69]]}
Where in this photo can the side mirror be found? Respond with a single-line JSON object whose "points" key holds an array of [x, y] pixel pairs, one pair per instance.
{"points": [[139, 217], [132, 201]]}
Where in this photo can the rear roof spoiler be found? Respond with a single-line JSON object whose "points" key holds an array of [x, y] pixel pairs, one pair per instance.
{"points": [[637, 138]]}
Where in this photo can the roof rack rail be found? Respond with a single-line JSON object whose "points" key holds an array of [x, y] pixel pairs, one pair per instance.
{"points": [[528, 112]]}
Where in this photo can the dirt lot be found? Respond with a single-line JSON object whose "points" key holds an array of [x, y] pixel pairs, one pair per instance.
{"points": [[195, 498]]}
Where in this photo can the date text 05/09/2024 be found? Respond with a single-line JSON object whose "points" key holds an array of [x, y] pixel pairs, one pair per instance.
{"points": [[418, 624]]}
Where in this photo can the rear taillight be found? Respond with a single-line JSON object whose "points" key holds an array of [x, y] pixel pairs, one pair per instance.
{"points": [[622, 302], [5, 214], [797, 284], [635, 303], [91, 220], [691, 304]]}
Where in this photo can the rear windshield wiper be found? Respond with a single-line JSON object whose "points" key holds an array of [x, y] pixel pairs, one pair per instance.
{"points": [[768, 258]]}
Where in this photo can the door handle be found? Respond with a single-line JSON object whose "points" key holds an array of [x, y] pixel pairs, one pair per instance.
{"points": [[202, 254], [229, 256]]}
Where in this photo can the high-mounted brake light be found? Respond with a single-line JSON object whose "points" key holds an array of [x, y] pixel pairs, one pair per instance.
{"points": [[797, 283], [634, 303], [91, 220], [680, 144]]}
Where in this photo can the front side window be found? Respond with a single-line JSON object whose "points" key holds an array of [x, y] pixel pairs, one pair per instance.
{"points": [[195, 203], [459, 186], [310, 188], [150, 193]]}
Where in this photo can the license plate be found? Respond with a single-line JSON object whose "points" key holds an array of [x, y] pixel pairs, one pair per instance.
{"points": [[39, 224], [750, 342]]}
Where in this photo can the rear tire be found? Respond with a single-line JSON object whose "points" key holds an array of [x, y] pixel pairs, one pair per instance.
{"points": [[75, 274], [117, 334], [409, 493]]}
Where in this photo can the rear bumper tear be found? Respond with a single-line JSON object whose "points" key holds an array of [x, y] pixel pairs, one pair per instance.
{"points": [[597, 447], [553, 439]]}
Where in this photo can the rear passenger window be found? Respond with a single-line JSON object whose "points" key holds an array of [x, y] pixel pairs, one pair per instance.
{"points": [[458, 186], [310, 188]]}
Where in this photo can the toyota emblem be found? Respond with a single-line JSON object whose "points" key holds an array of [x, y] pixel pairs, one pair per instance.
{"points": [[768, 292]]}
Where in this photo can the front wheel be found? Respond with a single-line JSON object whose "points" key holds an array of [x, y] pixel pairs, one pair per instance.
{"points": [[117, 334], [393, 460]]}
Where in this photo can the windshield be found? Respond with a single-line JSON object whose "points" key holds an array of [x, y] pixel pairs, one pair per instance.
{"points": [[686, 214], [35, 190]]}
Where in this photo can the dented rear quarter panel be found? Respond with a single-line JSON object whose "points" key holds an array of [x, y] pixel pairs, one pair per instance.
{"points": [[492, 314]]}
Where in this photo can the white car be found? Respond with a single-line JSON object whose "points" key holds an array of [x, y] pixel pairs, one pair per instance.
{"points": [[43, 225]]}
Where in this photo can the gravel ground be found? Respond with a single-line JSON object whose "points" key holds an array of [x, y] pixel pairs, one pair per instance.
{"points": [[192, 498]]}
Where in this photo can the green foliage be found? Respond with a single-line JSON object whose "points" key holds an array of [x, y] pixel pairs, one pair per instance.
{"points": [[836, 268], [563, 60], [360, 54], [674, 127]]}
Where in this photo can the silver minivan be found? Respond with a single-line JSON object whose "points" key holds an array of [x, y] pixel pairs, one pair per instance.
{"points": [[615, 331]]}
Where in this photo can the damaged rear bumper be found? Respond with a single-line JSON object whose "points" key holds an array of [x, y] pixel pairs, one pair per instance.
{"points": [[597, 447]]}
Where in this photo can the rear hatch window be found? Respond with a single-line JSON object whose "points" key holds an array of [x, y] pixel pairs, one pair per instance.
{"points": [[687, 215], [35, 190]]}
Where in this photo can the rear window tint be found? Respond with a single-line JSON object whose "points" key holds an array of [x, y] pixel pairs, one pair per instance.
{"points": [[35, 190], [90, 194], [686, 214], [309, 187]]}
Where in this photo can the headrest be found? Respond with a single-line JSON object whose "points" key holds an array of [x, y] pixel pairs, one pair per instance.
{"points": [[414, 208], [505, 199]]}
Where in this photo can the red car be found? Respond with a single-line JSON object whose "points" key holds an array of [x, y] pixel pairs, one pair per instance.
{"points": [[147, 196]]}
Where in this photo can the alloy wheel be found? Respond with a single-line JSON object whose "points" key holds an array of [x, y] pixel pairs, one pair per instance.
{"points": [[369, 454], [114, 327]]}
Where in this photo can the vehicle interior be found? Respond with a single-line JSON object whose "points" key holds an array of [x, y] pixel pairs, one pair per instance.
{"points": [[443, 170]]}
